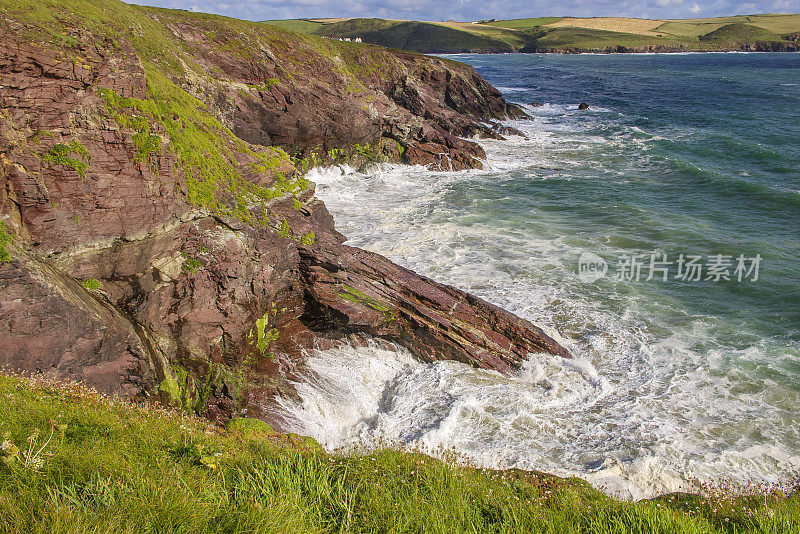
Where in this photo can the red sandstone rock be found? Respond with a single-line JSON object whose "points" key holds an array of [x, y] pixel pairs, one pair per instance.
{"points": [[128, 224]]}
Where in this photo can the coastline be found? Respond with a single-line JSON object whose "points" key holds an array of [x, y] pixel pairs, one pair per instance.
{"points": [[600, 52], [429, 236], [217, 222], [248, 479], [568, 34], [251, 283]]}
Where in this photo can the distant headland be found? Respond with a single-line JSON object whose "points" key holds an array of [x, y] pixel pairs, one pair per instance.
{"points": [[765, 32]]}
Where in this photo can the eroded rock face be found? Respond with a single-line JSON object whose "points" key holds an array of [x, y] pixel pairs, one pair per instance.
{"points": [[51, 325], [49, 100], [355, 291], [322, 100], [149, 264]]}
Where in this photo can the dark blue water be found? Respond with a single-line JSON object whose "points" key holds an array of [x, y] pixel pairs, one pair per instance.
{"points": [[724, 165], [676, 380]]}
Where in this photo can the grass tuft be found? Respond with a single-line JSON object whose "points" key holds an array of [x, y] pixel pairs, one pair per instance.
{"points": [[92, 284]]}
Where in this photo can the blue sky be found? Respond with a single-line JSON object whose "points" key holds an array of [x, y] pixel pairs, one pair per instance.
{"points": [[476, 9]]}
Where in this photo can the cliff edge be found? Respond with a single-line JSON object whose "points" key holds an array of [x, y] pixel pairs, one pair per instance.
{"points": [[157, 236]]}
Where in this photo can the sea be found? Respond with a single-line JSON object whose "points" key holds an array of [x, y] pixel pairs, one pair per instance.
{"points": [[656, 235]]}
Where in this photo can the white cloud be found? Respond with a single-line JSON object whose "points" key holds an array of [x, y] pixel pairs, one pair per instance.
{"points": [[473, 9], [668, 3]]}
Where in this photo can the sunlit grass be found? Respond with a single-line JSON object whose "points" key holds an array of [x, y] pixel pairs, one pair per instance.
{"points": [[108, 466]]}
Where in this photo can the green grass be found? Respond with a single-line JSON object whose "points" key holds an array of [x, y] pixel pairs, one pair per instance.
{"points": [[524, 24], [687, 30], [248, 427], [191, 266], [262, 336], [307, 238], [738, 33], [513, 38], [92, 284], [5, 240], [417, 36], [588, 39], [73, 461]]}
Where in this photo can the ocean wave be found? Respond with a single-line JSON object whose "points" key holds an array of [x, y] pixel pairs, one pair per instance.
{"points": [[356, 397], [668, 393]]}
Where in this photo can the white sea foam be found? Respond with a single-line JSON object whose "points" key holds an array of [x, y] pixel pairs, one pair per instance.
{"points": [[654, 402], [505, 90]]}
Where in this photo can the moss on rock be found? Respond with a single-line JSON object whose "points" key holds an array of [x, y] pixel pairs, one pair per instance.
{"points": [[61, 154], [5, 241]]}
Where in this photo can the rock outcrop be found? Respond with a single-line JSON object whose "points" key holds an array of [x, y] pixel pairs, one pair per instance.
{"points": [[158, 237], [310, 96]]}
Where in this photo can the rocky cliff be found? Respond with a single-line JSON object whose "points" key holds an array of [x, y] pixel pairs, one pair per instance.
{"points": [[157, 237]]}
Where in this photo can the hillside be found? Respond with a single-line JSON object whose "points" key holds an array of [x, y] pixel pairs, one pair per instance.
{"points": [[567, 34], [417, 36], [74, 461]]}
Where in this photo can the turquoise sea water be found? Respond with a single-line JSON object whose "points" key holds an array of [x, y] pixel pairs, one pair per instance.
{"points": [[676, 381]]}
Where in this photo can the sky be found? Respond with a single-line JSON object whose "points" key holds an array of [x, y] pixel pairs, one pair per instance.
{"points": [[464, 10]]}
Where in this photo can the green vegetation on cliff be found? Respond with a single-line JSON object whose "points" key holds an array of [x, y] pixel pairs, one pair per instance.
{"points": [[62, 153], [5, 241], [206, 150], [73, 461]]}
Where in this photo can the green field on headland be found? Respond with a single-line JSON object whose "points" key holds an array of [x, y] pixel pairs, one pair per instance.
{"points": [[73, 461], [766, 32]]}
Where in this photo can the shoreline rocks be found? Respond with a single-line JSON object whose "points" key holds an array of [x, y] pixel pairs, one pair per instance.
{"points": [[164, 243]]}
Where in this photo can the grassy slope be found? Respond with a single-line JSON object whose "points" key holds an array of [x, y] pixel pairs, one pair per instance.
{"points": [[419, 36], [672, 33], [524, 24], [106, 466], [513, 38], [540, 34], [588, 39], [738, 33]]}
